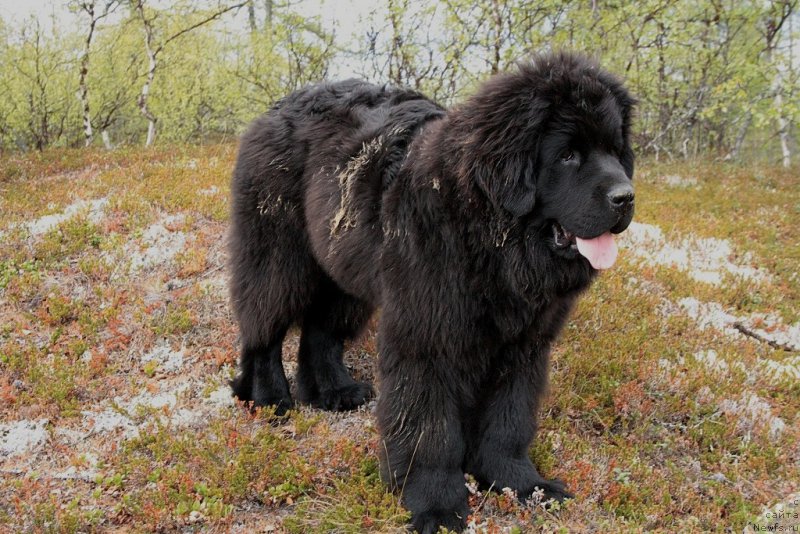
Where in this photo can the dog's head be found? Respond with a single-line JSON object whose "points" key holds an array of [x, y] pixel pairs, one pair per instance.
{"points": [[550, 145]]}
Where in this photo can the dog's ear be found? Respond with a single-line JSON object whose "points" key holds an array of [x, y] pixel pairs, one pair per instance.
{"points": [[499, 132], [627, 103], [626, 159], [510, 183]]}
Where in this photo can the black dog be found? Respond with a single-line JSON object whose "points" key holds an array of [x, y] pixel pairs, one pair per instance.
{"points": [[474, 229]]}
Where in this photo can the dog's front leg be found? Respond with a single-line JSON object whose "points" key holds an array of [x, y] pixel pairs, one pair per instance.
{"points": [[501, 434], [422, 445]]}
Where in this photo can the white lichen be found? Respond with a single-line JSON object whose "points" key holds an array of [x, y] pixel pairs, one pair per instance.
{"points": [[93, 209], [711, 361], [221, 397], [753, 414], [767, 327], [707, 260], [158, 245], [168, 360], [21, 437], [786, 370], [675, 180], [108, 420]]}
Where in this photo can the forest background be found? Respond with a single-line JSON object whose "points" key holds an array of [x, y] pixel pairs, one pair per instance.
{"points": [[716, 77]]}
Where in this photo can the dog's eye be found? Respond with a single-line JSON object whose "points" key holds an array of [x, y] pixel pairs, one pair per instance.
{"points": [[567, 155]]}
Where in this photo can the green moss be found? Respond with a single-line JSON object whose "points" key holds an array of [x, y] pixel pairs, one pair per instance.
{"points": [[175, 319], [542, 456], [357, 503], [69, 238]]}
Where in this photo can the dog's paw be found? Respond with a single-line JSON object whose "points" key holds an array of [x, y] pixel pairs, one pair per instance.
{"points": [[547, 490], [344, 398], [242, 390], [241, 387], [280, 405], [431, 521]]}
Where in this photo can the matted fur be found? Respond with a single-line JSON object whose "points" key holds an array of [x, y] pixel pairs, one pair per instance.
{"points": [[349, 196]]}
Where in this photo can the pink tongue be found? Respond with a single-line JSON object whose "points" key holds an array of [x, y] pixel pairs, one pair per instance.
{"points": [[600, 251]]}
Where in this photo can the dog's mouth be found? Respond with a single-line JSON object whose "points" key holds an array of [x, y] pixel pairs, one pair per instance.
{"points": [[601, 251], [563, 239]]}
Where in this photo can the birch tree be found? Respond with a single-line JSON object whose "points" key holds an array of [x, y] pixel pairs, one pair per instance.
{"points": [[283, 51], [776, 18], [7, 105], [95, 13], [116, 72], [714, 78], [154, 46], [42, 86]]}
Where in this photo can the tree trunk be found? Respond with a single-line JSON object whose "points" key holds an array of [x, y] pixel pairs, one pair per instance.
{"points": [[83, 93], [251, 16], [783, 131], [142, 101], [152, 56], [737, 146], [151, 74], [106, 140], [83, 96], [151, 132], [773, 28], [783, 123], [83, 89], [498, 29]]}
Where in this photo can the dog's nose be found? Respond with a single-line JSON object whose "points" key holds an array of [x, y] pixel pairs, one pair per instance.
{"points": [[620, 196]]}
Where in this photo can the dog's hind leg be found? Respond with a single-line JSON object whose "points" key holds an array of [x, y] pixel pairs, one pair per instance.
{"points": [[322, 378], [261, 378], [269, 290], [273, 279]]}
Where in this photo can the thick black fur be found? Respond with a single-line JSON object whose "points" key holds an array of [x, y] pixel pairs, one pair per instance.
{"points": [[349, 196]]}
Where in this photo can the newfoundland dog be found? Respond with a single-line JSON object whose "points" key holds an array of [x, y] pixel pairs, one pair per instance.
{"points": [[474, 230]]}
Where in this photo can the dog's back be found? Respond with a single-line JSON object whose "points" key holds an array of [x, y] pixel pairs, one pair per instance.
{"points": [[311, 174], [306, 232]]}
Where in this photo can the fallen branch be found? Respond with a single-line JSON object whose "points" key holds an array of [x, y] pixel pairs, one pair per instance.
{"points": [[746, 330]]}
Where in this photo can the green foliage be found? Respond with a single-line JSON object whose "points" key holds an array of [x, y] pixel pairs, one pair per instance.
{"points": [[358, 503], [703, 72], [39, 108], [68, 239], [116, 64], [211, 79], [709, 76]]}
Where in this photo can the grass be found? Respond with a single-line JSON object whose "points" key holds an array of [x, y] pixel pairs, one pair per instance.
{"points": [[756, 209], [649, 431]]}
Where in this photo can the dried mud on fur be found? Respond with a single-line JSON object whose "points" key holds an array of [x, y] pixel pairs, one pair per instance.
{"points": [[345, 216]]}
